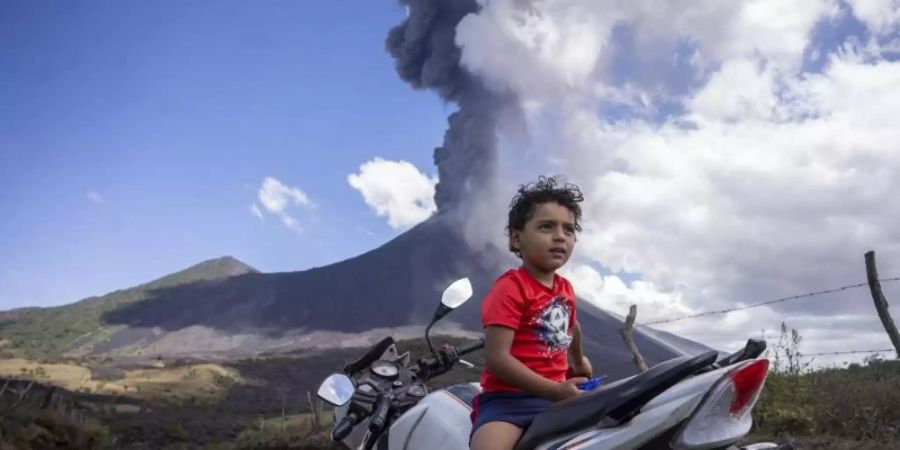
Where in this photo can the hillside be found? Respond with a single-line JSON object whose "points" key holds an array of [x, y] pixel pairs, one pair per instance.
{"points": [[42, 333], [170, 407]]}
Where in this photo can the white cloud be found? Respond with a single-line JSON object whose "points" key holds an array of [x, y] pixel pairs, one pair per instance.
{"points": [[611, 293], [275, 196], [290, 222], [766, 182], [278, 199], [256, 212], [756, 206], [741, 89], [569, 46], [881, 16], [396, 190], [94, 197]]}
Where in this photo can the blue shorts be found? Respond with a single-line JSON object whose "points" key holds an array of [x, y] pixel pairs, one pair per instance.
{"points": [[517, 408]]}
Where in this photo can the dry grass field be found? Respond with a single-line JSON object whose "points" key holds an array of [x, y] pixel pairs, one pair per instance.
{"points": [[189, 383]]}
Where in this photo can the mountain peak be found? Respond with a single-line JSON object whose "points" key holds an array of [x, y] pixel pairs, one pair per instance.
{"points": [[227, 263], [223, 267]]}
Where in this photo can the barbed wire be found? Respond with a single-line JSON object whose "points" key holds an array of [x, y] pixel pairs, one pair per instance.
{"points": [[848, 352], [755, 305], [768, 302]]}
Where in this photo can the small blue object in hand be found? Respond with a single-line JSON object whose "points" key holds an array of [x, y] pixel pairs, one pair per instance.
{"points": [[592, 383]]}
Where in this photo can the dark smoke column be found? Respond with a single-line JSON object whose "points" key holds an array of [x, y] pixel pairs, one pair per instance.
{"points": [[427, 58]]}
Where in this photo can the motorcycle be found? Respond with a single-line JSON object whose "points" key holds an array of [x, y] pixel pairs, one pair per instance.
{"points": [[689, 402]]}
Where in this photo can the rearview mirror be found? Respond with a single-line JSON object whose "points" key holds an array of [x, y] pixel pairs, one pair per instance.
{"points": [[457, 293], [336, 389]]}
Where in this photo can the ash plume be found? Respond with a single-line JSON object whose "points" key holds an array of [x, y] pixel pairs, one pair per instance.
{"points": [[427, 58]]}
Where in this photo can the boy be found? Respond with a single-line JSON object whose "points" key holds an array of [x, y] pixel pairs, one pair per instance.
{"points": [[529, 319]]}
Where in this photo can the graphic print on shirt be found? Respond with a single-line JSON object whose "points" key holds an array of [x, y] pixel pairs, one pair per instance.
{"points": [[552, 325]]}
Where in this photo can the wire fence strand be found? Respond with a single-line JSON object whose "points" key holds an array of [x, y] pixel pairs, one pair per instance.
{"points": [[848, 352], [754, 305], [768, 302]]}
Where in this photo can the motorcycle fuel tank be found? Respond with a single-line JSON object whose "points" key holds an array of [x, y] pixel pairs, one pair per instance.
{"points": [[441, 421]]}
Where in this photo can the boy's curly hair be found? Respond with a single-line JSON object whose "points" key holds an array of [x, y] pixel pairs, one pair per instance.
{"points": [[547, 189]]}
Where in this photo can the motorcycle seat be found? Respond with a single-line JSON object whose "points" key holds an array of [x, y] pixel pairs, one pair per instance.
{"points": [[465, 393], [618, 401]]}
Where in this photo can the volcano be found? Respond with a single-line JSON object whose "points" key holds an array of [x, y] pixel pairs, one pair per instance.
{"points": [[392, 290]]}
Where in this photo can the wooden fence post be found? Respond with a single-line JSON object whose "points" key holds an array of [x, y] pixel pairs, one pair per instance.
{"points": [[629, 341], [48, 398], [315, 409], [283, 401], [881, 303]]}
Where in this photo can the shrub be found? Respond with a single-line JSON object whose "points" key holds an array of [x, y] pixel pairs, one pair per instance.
{"points": [[178, 433], [857, 403]]}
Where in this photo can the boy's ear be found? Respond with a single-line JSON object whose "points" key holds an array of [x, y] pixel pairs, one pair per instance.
{"points": [[514, 240]]}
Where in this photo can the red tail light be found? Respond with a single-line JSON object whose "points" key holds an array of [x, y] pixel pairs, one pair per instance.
{"points": [[747, 382], [724, 415]]}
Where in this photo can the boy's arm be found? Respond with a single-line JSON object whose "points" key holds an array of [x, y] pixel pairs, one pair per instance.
{"points": [[575, 350], [498, 341], [581, 366]]}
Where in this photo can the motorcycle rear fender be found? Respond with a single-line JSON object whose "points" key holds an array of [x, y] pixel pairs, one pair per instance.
{"points": [[661, 414]]}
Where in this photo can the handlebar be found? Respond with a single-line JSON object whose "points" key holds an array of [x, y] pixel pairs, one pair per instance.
{"points": [[379, 417], [426, 368], [444, 361], [344, 427], [469, 348]]}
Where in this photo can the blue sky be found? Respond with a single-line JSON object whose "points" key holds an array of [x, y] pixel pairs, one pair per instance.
{"points": [[134, 137]]}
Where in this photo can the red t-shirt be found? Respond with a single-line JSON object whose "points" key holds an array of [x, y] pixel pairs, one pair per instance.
{"points": [[542, 318]]}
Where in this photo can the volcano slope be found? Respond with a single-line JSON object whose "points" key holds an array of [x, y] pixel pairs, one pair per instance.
{"points": [[393, 289]]}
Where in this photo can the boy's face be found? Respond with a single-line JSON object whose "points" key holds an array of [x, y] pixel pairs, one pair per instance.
{"points": [[547, 239]]}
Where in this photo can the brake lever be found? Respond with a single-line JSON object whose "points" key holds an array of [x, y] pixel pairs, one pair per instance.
{"points": [[467, 364]]}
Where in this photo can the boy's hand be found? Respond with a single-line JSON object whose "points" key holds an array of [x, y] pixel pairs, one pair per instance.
{"points": [[569, 388], [582, 368]]}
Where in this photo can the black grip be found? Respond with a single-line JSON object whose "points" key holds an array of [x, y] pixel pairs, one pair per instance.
{"points": [[423, 367], [469, 348], [343, 427], [379, 417]]}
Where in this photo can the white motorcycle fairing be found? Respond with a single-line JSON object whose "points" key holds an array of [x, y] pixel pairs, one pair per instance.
{"points": [[441, 421]]}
